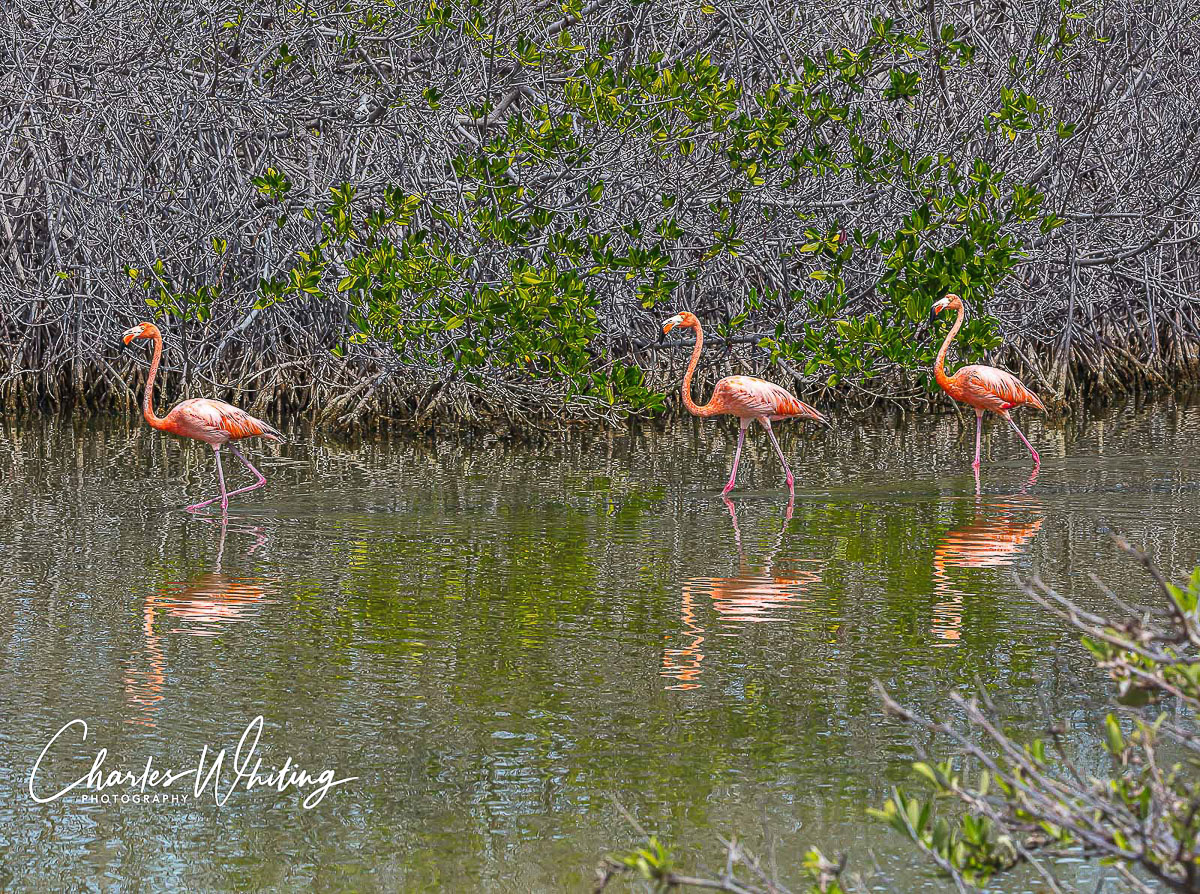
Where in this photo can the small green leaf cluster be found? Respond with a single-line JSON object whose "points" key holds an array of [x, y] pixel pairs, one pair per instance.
{"points": [[174, 302], [1142, 677], [969, 844], [654, 864]]}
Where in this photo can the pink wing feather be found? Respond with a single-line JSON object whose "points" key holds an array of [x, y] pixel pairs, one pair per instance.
{"points": [[217, 422], [994, 389], [748, 397]]}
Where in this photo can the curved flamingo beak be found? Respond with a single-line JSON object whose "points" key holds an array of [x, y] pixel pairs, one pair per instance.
{"points": [[130, 334], [672, 323], [939, 306]]}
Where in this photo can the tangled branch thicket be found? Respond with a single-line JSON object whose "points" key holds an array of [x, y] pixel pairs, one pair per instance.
{"points": [[485, 208]]}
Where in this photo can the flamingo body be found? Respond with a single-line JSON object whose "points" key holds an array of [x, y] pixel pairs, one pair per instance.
{"points": [[749, 398], [746, 397], [988, 388], [214, 422], [983, 388]]}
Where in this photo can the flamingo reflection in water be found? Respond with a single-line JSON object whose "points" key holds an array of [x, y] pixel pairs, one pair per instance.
{"points": [[749, 597], [992, 542], [198, 607]]}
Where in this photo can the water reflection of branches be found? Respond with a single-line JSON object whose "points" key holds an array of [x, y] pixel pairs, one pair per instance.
{"points": [[991, 541], [748, 597], [202, 605]]}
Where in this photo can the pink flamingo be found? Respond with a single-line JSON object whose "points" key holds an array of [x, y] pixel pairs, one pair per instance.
{"points": [[745, 397], [214, 422], [982, 387]]}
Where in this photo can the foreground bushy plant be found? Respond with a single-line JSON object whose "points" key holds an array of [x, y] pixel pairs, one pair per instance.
{"points": [[1028, 802]]}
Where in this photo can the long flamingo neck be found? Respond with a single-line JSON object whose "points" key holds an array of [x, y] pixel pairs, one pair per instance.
{"points": [[708, 409], [148, 399], [939, 367]]}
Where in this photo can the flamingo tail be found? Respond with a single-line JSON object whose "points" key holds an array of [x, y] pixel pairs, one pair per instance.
{"points": [[805, 411]]}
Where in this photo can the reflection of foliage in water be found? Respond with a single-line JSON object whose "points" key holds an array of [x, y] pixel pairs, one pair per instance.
{"points": [[479, 629]]}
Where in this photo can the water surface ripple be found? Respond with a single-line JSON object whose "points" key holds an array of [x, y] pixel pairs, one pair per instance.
{"points": [[497, 641]]}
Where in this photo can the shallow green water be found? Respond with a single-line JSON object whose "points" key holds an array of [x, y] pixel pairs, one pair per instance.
{"points": [[499, 642]]}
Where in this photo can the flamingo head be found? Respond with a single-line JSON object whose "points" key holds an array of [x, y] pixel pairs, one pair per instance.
{"points": [[687, 319], [141, 330], [951, 300]]}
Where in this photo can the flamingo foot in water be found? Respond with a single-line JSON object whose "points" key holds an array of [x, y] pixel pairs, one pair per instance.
{"points": [[223, 499]]}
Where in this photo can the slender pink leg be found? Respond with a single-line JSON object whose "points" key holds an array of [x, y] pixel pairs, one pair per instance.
{"points": [[978, 436], [224, 497], [737, 455], [262, 479], [791, 481], [1037, 460]]}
